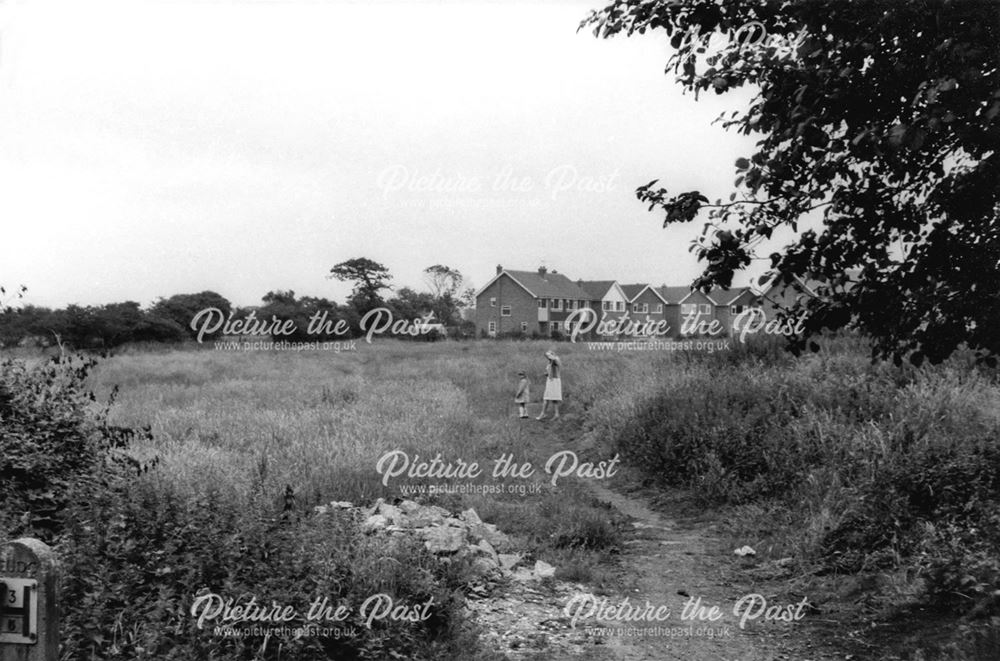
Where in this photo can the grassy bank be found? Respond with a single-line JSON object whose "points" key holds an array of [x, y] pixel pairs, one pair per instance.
{"points": [[888, 478]]}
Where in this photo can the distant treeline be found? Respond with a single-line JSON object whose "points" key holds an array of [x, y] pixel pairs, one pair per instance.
{"points": [[169, 319]]}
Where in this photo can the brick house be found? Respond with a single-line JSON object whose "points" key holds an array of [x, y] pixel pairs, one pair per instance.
{"points": [[646, 305], [527, 302], [608, 298], [734, 302], [538, 303]]}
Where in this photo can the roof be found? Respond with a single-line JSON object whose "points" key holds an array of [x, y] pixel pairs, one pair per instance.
{"points": [[596, 289], [728, 296], [673, 295], [550, 285], [631, 291]]}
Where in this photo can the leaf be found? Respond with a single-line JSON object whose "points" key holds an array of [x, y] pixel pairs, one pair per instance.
{"points": [[742, 163]]}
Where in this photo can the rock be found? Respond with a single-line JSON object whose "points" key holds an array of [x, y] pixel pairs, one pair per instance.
{"points": [[470, 517], [393, 513], [341, 504], [320, 509], [443, 539], [544, 569], [744, 551], [375, 507], [487, 550], [484, 567], [509, 560], [409, 506], [524, 575], [491, 534], [421, 517], [374, 522]]}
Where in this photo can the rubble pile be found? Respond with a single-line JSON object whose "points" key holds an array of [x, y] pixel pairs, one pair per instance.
{"points": [[448, 536]]}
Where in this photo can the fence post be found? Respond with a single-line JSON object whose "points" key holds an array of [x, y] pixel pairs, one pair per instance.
{"points": [[29, 623]]}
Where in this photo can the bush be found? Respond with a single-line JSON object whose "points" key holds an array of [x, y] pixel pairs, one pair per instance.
{"points": [[881, 468]]}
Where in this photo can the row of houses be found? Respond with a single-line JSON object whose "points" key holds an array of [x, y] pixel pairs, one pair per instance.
{"points": [[541, 302]]}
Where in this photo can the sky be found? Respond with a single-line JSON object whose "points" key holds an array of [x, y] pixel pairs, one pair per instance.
{"points": [[155, 148]]}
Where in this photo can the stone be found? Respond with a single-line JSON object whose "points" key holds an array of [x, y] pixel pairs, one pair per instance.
{"points": [[524, 575], [341, 504], [421, 517], [544, 569], [375, 507], [486, 549], [491, 534], [484, 567], [470, 517], [374, 522], [509, 560], [393, 513], [443, 539]]}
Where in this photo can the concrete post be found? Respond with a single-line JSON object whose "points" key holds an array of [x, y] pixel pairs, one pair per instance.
{"points": [[29, 623]]}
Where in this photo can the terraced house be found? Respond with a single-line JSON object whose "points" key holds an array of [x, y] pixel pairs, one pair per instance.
{"points": [[527, 302], [537, 303]]}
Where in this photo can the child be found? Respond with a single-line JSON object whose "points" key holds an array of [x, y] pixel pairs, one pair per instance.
{"points": [[522, 395]]}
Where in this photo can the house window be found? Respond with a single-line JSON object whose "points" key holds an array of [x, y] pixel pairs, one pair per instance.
{"points": [[555, 325], [737, 309], [659, 308], [605, 305], [706, 308], [493, 302], [620, 306], [505, 311], [635, 307], [493, 328], [542, 303], [557, 304], [688, 309], [645, 308], [524, 326]]}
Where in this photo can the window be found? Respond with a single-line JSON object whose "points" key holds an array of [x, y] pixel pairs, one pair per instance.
{"points": [[635, 307], [659, 308], [688, 309], [557, 304], [493, 302], [572, 305], [493, 328], [706, 308], [542, 303], [644, 308], [524, 326], [620, 306], [555, 325], [605, 305], [505, 311], [737, 309]]}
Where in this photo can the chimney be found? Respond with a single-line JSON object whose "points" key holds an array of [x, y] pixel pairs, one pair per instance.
{"points": [[499, 269], [542, 271]]}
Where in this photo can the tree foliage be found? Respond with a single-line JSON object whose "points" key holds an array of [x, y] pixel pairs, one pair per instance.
{"points": [[369, 278], [879, 147]]}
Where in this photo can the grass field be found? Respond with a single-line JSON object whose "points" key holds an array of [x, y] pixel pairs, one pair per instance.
{"points": [[844, 466]]}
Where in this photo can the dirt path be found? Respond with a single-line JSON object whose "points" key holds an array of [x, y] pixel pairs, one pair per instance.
{"points": [[667, 561]]}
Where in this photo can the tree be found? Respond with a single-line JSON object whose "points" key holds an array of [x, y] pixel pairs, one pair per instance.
{"points": [[369, 278], [181, 308], [443, 280], [410, 304], [879, 127]]}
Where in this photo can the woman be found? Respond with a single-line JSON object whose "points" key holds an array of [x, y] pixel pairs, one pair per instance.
{"points": [[553, 385]]}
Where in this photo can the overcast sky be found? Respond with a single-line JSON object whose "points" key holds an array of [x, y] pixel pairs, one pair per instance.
{"points": [[154, 148]]}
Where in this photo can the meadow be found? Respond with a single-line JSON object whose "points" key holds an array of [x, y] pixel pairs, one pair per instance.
{"points": [[847, 467]]}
